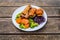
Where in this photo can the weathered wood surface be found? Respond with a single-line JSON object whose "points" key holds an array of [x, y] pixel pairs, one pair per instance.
{"points": [[52, 26], [49, 32], [29, 37], [8, 11], [34, 2]]}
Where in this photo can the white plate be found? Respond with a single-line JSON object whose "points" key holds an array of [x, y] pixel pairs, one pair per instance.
{"points": [[19, 10]]}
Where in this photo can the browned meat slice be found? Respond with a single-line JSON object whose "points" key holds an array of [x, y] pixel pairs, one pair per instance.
{"points": [[25, 15]]}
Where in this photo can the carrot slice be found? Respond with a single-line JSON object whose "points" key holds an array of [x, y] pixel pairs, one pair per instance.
{"points": [[26, 25], [25, 21], [18, 20]]}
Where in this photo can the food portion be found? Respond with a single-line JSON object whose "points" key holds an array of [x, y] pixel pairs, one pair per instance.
{"points": [[39, 19], [39, 12], [30, 17], [25, 11], [32, 11]]}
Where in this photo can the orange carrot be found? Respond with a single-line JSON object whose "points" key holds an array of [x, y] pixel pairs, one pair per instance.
{"points": [[18, 20], [25, 21], [26, 25]]}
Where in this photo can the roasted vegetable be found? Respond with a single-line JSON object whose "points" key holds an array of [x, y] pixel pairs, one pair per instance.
{"points": [[26, 25], [32, 11], [39, 19], [32, 23], [25, 21], [18, 20], [39, 12], [18, 15], [22, 26]]}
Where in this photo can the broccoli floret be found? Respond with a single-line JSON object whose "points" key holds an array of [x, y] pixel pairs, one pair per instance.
{"points": [[18, 15], [22, 26], [32, 23]]}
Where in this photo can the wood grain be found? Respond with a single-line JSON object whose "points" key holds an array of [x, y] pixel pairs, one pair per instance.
{"points": [[51, 31], [52, 26], [8, 11], [29, 37], [34, 2]]}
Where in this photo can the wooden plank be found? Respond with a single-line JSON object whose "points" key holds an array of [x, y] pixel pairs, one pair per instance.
{"points": [[52, 26], [29, 37], [34, 2], [8, 11]]}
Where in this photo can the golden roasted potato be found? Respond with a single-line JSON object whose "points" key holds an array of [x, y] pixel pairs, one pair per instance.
{"points": [[39, 12], [32, 11]]}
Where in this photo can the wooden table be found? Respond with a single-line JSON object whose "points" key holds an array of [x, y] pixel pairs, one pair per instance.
{"points": [[51, 31]]}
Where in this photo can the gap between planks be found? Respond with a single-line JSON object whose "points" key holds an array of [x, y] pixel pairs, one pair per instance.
{"points": [[20, 6], [34, 33]]}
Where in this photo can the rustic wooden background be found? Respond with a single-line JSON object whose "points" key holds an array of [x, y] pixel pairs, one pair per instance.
{"points": [[51, 31]]}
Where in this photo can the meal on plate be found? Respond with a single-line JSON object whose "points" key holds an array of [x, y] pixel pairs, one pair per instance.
{"points": [[30, 17]]}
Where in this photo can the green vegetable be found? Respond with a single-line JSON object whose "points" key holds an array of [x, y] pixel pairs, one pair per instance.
{"points": [[22, 26], [33, 16], [18, 15], [32, 23], [30, 20]]}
